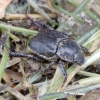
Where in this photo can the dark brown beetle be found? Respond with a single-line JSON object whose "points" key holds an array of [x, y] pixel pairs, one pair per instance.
{"points": [[51, 45]]}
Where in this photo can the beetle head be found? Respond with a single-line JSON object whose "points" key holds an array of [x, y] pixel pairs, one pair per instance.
{"points": [[79, 58]]}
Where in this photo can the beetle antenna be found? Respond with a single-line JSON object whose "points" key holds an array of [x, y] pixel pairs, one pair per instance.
{"points": [[35, 23], [39, 24]]}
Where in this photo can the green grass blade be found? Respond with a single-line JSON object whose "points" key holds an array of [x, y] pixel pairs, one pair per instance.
{"points": [[4, 60]]}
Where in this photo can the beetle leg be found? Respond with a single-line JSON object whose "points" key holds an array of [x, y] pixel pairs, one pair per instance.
{"points": [[61, 65], [20, 54], [50, 65], [85, 50]]}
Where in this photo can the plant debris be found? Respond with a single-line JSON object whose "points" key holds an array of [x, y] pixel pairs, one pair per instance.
{"points": [[23, 78]]}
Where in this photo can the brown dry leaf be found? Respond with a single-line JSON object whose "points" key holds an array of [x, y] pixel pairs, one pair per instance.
{"points": [[3, 5], [93, 95], [13, 75]]}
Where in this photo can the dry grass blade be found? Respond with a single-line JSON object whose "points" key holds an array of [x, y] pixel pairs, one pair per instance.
{"points": [[22, 16], [1, 98], [6, 78], [67, 17], [14, 92]]}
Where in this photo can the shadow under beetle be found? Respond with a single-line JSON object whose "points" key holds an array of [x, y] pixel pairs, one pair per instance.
{"points": [[54, 46]]}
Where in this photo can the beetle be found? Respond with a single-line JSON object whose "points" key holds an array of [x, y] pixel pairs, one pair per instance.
{"points": [[54, 46]]}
